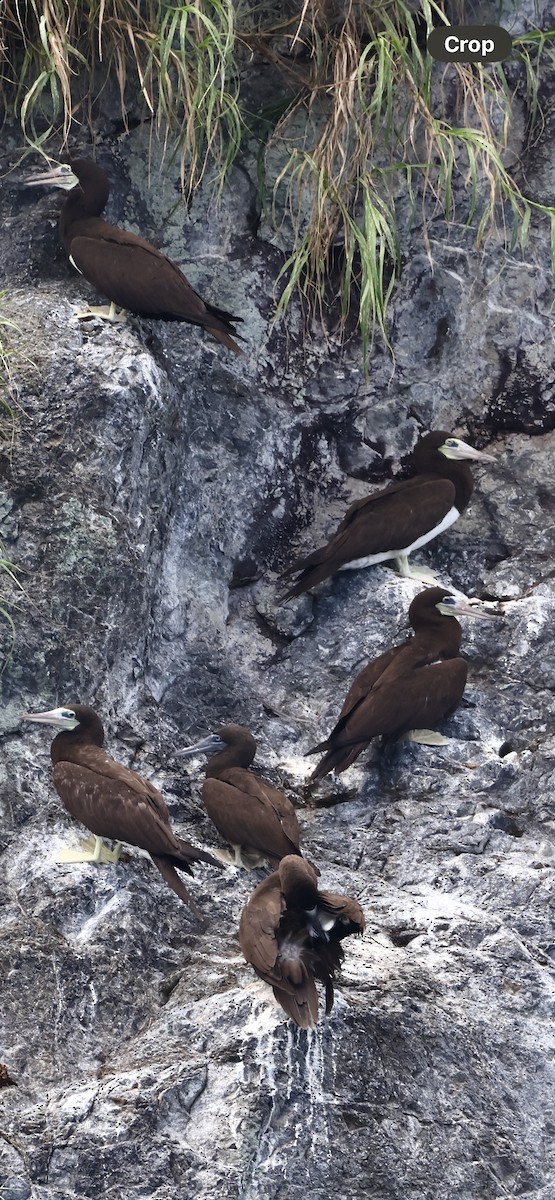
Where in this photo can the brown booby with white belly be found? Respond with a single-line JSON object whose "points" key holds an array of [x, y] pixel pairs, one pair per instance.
{"points": [[392, 523], [125, 268]]}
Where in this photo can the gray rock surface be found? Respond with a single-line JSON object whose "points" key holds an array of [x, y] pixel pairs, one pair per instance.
{"points": [[155, 487]]}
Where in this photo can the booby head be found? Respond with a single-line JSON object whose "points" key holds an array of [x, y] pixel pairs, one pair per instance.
{"points": [[441, 442], [236, 741], [212, 744], [460, 606], [87, 182], [59, 175], [299, 882], [448, 605], [455, 448], [71, 717]]}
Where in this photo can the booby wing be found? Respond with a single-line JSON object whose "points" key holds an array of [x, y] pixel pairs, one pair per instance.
{"points": [[367, 678], [347, 911], [390, 520], [257, 928], [420, 698], [112, 804], [136, 276], [248, 811], [102, 764]]}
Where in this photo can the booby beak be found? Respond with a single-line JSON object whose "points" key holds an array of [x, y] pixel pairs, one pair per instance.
{"points": [[209, 745], [459, 450], [454, 606], [60, 176], [61, 718]]}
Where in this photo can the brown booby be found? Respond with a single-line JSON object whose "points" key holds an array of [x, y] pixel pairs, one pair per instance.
{"points": [[253, 816], [131, 273], [113, 801], [291, 934], [399, 518], [416, 684]]}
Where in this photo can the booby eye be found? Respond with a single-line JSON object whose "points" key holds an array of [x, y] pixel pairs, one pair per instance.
{"points": [[65, 169], [450, 601], [67, 714], [452, 443]]}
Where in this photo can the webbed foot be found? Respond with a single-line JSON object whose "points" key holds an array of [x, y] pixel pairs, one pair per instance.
{"points": [[424, 574], [105, 312], [425, 737], [91, 850], [248, 860]]}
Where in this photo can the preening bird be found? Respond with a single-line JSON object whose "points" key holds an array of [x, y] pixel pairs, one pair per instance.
{"points": [[399, 518], [291, 934], [253, 816], [113, 801], [408, 689], [125, 268]]}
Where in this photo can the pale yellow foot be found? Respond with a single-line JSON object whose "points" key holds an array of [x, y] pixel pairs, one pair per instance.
{"points": [[422, 573], [248, 860], [92, 850], [105, 312], [224, 856], [425, 737]]}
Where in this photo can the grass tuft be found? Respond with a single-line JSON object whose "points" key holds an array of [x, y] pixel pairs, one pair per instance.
{"points": [[381, 138], [58, 54], [360, 120]]}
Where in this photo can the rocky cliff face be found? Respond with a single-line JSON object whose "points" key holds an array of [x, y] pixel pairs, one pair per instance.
{"points": [[155, 486]]}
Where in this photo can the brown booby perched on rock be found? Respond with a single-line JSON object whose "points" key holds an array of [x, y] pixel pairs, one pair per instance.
{"points": [[416, 684], [399, 518], [113, 801], [291, 934], [255, 817], [131, 273]]}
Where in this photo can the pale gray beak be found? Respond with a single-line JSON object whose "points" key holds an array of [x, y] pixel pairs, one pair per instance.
{"points": [[209, 745], [58, 717], [463, 451], [468, 608], [60, 176]]}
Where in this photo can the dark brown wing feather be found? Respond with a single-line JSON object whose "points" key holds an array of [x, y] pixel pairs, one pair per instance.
{"points": [[110, 807], [248, 811], [300, 999], [257, 928], [418, 699], [367, 678], [121, 805], [102, 764], [347, 910], [329, 955], [303, 958], [390, 520], [117, 803], [386, 669], [168, 872], [134, 275], [259, 788]]}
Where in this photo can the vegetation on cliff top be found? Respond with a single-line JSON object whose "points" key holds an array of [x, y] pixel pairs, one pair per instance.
{"points": [[357, 115]]}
